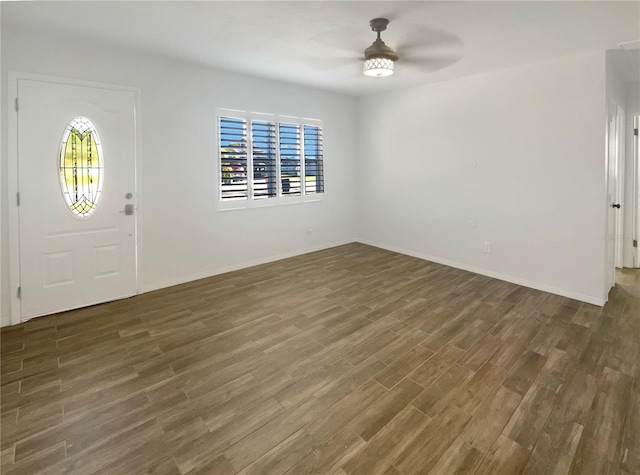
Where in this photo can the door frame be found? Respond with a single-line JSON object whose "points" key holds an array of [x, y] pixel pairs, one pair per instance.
{"points": [[611, 220], [635, 195], [620, 174], [12, 178]]}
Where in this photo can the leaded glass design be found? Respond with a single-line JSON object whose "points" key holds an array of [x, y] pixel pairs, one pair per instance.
{"points": [[81, 167]]}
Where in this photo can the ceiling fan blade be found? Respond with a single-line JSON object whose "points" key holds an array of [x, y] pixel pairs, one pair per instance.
{"points": [[341, 38], [333, 63], [427, 65], [421, 39], [427, 47]]}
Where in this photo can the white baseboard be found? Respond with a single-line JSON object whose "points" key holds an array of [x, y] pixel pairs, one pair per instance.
{"points": [[243, 265], [489, 273], [496, 275]]}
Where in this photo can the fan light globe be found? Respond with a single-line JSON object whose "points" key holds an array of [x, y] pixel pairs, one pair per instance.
{"points": [[378, 67]]}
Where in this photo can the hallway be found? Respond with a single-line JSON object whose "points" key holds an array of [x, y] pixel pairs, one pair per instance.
{"points": [[629, 281]]}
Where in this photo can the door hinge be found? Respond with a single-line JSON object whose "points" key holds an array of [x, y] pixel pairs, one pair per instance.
{"points": [[19, 292], [18, 198], [17, 106], [635, 243], [635, 131]]}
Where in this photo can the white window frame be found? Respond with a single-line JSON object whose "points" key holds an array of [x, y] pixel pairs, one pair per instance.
{"points": [[279, 200]]}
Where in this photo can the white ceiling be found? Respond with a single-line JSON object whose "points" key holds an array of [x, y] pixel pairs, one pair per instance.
{"points": [[319, 44]]}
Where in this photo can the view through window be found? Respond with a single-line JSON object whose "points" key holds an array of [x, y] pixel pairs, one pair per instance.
{"points": [[269, 157]]}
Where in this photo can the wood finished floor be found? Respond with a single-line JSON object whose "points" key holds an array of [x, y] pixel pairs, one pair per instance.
{"points": [[352, 360]]}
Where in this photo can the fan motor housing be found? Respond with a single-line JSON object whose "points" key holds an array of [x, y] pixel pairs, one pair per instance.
{"points": [[379, 49]]}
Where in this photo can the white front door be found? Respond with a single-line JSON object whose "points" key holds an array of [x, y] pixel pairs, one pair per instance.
{"points": [[77, 243]]}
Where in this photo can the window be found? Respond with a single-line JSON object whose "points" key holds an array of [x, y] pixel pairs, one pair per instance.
{"points": [[267, 159], [81, 167]]}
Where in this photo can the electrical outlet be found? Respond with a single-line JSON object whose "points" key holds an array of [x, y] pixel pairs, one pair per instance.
{"points": [[309, 229], [488, 248]]}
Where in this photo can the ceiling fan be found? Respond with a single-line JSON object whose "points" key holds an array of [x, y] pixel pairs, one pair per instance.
{"points": [[379, 58], [442, 49]]}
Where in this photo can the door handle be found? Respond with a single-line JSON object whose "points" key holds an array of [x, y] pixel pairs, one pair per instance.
{"points": [[128, 210], [616, 205]]}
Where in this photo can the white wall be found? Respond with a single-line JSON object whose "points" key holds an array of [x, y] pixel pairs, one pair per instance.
{"points": [[517, 153], [184, 236]]}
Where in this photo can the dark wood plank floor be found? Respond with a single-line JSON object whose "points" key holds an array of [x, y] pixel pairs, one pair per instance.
{"points": [[350, 360]]}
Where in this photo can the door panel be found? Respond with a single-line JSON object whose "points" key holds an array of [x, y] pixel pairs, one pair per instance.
{"points": [[65, 261]]}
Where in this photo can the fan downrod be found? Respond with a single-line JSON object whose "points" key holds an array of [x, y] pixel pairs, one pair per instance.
{"points": [[379, 49]]}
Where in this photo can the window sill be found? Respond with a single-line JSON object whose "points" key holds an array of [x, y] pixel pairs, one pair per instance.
{"points": [[267, 202]]}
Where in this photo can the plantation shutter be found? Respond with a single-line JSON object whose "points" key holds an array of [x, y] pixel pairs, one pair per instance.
{"points": [[289, 144], [313, 170], [265, 178], [269, 157], [233, 158]]}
